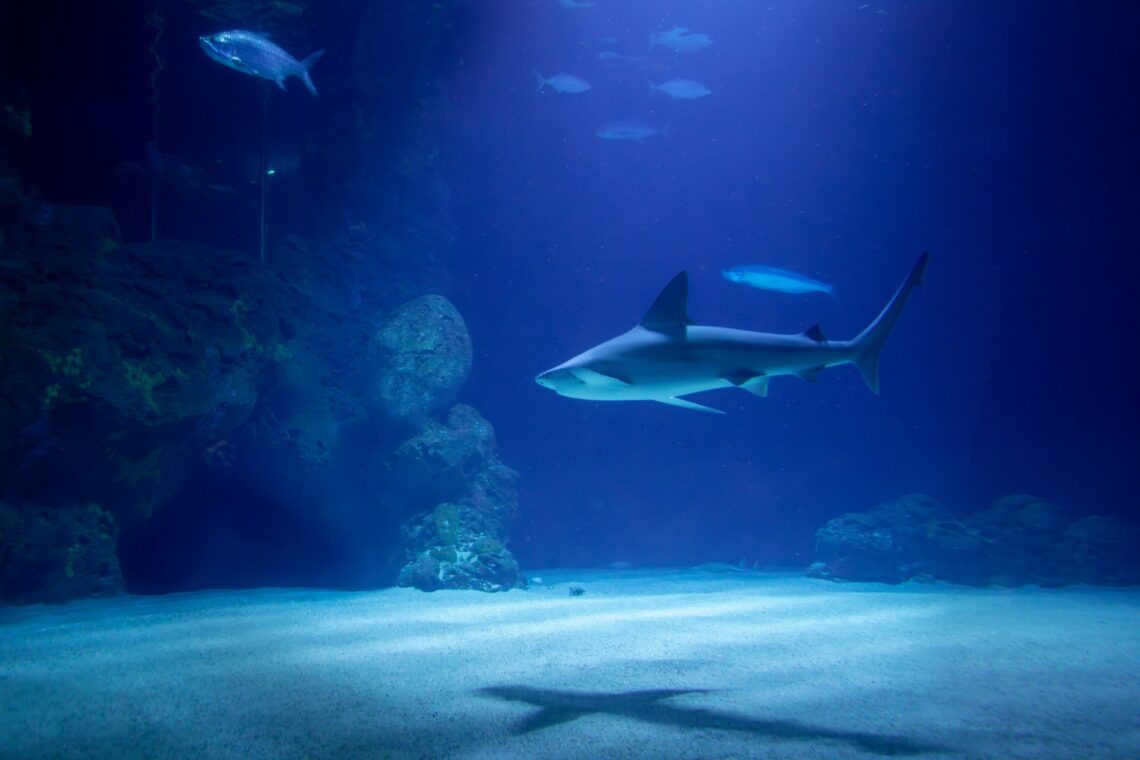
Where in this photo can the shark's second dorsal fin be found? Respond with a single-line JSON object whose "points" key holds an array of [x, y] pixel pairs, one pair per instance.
{"points": [[670, 311], [815, 333]]}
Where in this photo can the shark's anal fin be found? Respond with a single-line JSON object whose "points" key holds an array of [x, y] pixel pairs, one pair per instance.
{"points": [[815, 332], [669, 312], [757, 384], [810, 374], [684, 404]]}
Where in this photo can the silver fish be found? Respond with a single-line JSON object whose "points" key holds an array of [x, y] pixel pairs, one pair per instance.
{"points": [[681, 89], [680, 40], [565, 83], [612, 56], [254, 54], [630, 129], [773, 278]]}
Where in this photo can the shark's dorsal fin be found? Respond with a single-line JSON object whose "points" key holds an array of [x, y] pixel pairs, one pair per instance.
{"points": [[815, 332], [670, 311]]}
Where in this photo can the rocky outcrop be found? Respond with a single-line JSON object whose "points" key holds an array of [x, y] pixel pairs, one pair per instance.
{"points": [[1024, 541], [120, 362], [912, 536], [459, 546], [1102, 551], [128, 366], [461, 542], [438, 462], [56, 554], [1015, 541], [149, 377]]}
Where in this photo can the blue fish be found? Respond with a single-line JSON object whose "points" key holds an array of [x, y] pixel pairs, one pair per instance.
{"points": [[254, 54], [773, 278]]}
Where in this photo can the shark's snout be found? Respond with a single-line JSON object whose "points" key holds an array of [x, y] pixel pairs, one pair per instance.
{"points": [[558, 379]]}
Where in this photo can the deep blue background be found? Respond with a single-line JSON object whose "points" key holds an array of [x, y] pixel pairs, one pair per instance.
{"points": [[839, 141]]}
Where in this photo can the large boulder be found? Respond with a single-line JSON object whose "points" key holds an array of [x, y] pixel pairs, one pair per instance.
{"points": [[426, 355]]}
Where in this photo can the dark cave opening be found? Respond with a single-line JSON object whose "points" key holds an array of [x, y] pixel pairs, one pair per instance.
{"points": [[225, 530]]}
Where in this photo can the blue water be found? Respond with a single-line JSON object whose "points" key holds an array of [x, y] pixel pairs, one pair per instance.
{"points": [[840, 140], [208, 419]]}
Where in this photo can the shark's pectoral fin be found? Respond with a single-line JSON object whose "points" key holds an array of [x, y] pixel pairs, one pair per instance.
{"points": [[684, 404], [810, 374], [598, 380], [757, 384]]}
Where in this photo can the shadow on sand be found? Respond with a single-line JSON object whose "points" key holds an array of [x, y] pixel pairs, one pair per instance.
{"points": [[558, 707]]}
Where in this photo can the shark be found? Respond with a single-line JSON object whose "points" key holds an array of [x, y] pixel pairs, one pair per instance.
{"points": [[668, 356]]}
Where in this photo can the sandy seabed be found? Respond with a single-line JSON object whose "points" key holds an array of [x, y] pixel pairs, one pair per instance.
{"points": [[701, 663]]}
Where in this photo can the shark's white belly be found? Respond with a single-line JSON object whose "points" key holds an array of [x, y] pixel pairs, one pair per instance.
{"points": [[656, 370]]}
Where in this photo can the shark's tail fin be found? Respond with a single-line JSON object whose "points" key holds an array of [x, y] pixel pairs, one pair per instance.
{"points": [[305, 66], [870, 341]]}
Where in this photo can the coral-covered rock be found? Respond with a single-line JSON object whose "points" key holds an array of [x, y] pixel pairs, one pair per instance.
{"points": [[426, 354], [54, 555], [459, 546]]}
